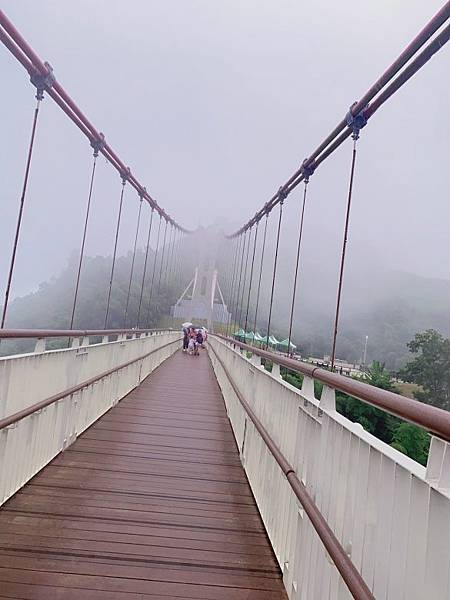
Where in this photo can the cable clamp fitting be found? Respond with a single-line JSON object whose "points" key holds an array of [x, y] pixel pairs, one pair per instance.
{"points": [[307, 170], [143, 193], [43, 81], [98, 144], [125, 175], [282, 194], [356, 122]]}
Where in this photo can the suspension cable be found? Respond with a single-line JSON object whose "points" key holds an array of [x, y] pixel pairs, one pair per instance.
{"points": [[355, 137], [39, 97], [153, 271], [132, 261], [263, 248], [241, 305], [176, 260], [228, 270], [274, 274], [231, 288], [251, 278], [294, 290], [144, 273], [162, 259], [241, 268], [116, 239], [97, 145], [171, 259], [233, 291], [166, 270]]}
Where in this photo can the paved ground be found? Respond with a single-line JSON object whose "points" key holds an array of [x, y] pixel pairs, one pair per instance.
{"points": [[150, 503]]}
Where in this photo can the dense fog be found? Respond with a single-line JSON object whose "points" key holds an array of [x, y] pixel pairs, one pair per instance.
{"points": [[213, 106]]}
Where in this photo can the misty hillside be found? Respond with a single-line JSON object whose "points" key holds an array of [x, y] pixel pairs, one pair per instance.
{"points": [[49, 307], [388, 306]]}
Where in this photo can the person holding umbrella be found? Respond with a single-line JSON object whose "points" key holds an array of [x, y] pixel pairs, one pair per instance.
{"points": [[186, 330]]}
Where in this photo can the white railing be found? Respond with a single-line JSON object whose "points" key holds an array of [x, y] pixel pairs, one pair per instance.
{"points": [[74, 387], [390, 514]]}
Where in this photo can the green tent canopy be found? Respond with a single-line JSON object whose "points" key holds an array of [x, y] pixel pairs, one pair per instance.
{"points": [[258, 337], [272, 340], [250, 336], [285, 343], [240, 333]]}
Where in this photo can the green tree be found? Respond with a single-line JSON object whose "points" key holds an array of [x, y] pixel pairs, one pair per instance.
{"points": [[412, 441], [374, 420], [430, 368]]}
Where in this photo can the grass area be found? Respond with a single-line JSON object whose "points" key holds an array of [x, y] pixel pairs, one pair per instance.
{"points": [[407, 389]]}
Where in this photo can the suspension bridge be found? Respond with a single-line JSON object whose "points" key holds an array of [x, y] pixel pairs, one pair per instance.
{"points": [[119, 481]]}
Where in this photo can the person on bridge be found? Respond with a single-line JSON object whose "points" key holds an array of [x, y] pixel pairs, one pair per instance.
{"points": [[185, 338], [200, 339], [193, 346]]}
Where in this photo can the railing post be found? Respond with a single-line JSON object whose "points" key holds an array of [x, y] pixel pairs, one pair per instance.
{"points": [[307, 388], [328, 398], [438, 464], [255, 360], [75, 343], [40, 346], [276, 371]]}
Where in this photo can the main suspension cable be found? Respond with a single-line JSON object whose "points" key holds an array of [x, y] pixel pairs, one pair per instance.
{"points": [[379, 92], [12, 263], [274, 274], [116, 239], [344, 246], [133, 261]]}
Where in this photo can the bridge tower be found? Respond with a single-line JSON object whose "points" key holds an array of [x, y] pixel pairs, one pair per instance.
{"points": [[202, 300]]}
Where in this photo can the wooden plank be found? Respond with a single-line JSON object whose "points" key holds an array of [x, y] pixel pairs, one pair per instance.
{"points": [[151, 502]]}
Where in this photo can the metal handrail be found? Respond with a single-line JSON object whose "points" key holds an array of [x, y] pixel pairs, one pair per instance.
{"points": [[26, 412], [435, 420], [73, 333], [349, 573]]}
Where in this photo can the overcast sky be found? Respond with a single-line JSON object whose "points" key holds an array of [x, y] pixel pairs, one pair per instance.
{"points": [[213, 104]]}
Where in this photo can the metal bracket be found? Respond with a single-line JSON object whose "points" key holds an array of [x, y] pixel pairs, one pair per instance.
{"points": [[307, 170], [125, 175], [282, 194], [98, 144], [43, 82], [356, 122]]}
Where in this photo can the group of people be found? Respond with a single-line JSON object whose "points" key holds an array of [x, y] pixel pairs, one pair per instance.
{"points": [[193, 339]]}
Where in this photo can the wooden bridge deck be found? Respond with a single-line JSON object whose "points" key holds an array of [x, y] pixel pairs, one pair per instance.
{"points": [[151, 502]]}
